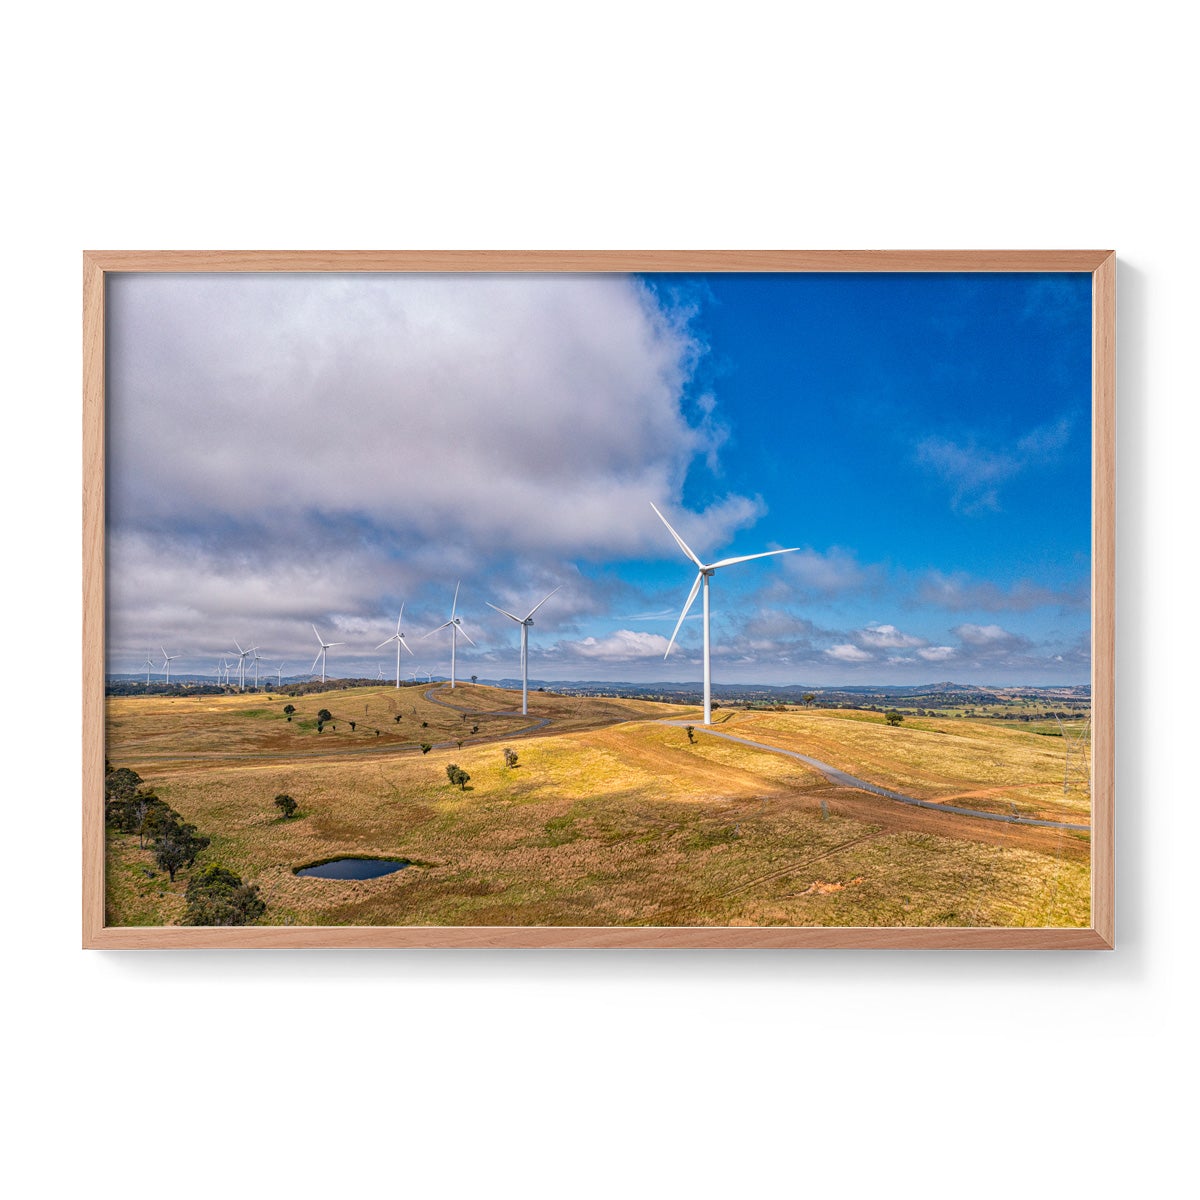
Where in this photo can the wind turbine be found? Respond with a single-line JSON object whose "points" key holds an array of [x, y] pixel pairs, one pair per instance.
{"points": [[321, 654], [168, 659], [242, 656], [398, 638], [524, 624], [455, 627], [256, 660], [279, 675], [148, 664], [706, 571]]}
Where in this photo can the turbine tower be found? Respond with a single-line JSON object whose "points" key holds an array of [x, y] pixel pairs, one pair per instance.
{"points": [[242, 656], [321, 654], [706, 571], [398, 638], [455, 627], [524, 624], [256, 661], [279, 675], [168, 659]]}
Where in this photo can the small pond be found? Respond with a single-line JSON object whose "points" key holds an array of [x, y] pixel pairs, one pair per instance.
{"points": [[354, 868]]}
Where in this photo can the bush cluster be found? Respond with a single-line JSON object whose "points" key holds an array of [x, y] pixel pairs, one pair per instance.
{"points": [[216, 896]]}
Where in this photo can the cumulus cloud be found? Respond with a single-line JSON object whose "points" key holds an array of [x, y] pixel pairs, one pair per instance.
{"points": [[990, 639], [975, 473], [621, 646], [937, 653], [411, 402], [847, 653], [887, 637]]}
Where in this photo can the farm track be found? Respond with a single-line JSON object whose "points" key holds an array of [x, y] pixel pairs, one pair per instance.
{"points": [[842, 779]]}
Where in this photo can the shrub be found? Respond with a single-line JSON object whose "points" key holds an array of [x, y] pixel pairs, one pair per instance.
{"points": [[289, 709], [510, 757], [286, 805], [324, 715], [892, 717], [457, 775], [426, 747], [216, 896], [690, 730]]}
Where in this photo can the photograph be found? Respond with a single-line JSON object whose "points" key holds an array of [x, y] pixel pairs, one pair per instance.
{"points": [[608, 598]]}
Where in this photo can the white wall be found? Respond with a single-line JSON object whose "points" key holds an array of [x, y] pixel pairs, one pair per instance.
{"points": [[619, 125]]}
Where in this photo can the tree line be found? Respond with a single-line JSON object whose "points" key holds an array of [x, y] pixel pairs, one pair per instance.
{"points": [[215, 895]]}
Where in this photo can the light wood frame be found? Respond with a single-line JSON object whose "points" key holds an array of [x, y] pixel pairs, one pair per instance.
{"points": [[1100, 264]]}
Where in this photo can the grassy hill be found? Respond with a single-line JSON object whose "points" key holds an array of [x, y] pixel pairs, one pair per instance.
{"points": [[610, 816]]}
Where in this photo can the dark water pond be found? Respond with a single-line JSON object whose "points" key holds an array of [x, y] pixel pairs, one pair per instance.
{"points": [[354, 868]]}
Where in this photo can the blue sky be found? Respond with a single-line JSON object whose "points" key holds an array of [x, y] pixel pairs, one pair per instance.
{"points": [[287, 450]]}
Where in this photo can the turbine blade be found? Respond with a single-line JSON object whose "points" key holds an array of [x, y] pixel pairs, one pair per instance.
{"points": [[465, 634], [400, 639], [542, 601], [329, 644], [690, 601], [399, 618], [315, 661], [382, 644], [682, 544], [505, 612], [314, 629], [728, 562], [454, 606]]}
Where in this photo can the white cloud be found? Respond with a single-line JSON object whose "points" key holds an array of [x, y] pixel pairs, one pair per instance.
{"points": [[849, 654], [937, 653], [617, 647], [887, 637]]}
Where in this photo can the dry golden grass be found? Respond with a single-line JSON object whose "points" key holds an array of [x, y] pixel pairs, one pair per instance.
{"points": [[981, 764], [600, 824]]}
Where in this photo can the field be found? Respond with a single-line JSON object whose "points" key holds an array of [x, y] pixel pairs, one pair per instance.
{"points": [[611, 816]]}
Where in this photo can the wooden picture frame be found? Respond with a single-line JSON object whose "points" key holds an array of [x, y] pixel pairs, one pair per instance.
{"points": [[99, 266]]}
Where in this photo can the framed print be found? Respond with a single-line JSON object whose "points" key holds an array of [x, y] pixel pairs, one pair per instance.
{"points": [[613, 599]]}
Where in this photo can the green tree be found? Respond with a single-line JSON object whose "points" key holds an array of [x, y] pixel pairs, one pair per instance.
{"points": [[324, 715], [289, 709], [474, 678], [690, 730], [286, 805], [892, 717], [216, 896], [425, 747], [808, 698], [510, 757], [457, 775]]}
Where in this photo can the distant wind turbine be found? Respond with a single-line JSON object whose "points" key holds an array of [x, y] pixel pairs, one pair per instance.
{"points": [[321, 653], [398, 638], [455, 627], [706, 571], [279, 674], [524, 623], [149, 665], [242, 656], [168, 659], [256, 660]]}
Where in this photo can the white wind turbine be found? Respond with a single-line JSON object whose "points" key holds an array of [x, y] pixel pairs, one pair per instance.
{"points": [[149, 665], [524, 624], [279, 675], [242, 656], [455, 627], [398, 638], [706, 571], [321, 653], [256, 660], [168, 659]]}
